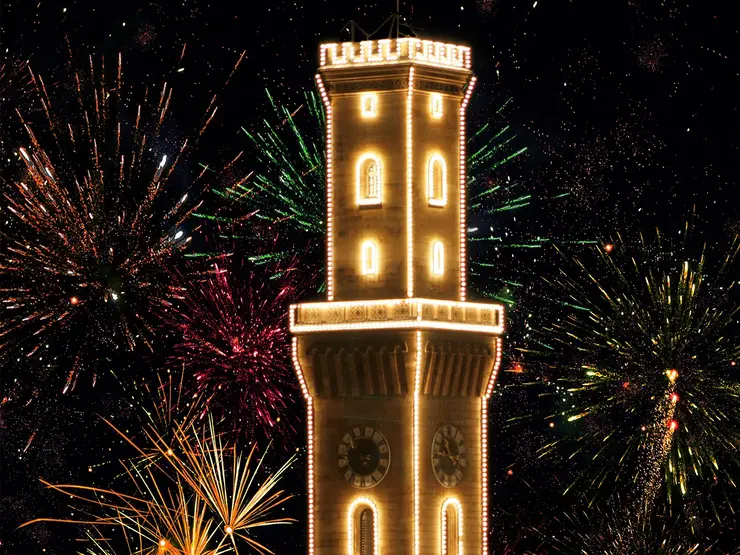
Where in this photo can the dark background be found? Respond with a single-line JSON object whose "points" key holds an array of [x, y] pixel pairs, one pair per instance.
{"points": [[630, 106]]}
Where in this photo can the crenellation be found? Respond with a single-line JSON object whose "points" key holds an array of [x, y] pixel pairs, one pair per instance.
{"points": [[396, 363], [394, 51]]}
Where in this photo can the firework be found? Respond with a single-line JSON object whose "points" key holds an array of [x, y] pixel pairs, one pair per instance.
{"points": [[232, 337], [94, 214], [650, 54], [289, 189], [172, 408], [286, 193], [610, 530], [487, 7], [643, 352], [162, 407], [199, 498], [13, 74]]}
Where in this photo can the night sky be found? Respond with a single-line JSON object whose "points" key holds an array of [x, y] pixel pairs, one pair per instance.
{"points": [[628, 106]]}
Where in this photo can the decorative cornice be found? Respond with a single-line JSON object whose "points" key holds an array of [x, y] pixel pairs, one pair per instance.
{"points": [[413, 313], [437, 86], [359, 370], [371, 84]]}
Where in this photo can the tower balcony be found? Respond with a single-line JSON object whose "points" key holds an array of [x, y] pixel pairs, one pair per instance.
{"points": [[387, 314], [371, 348]]}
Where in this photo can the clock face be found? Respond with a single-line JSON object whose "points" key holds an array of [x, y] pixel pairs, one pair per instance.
{"points": [[363, 456], [448, 455]]}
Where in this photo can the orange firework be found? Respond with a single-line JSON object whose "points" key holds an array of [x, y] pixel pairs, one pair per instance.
{"points": [[95, 216], [197, 496]]}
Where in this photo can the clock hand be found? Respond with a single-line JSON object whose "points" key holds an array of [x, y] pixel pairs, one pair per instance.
{"points": [[446, 452]]}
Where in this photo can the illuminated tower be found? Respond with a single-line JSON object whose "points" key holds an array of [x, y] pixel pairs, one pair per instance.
{"points": [[396, 366]]}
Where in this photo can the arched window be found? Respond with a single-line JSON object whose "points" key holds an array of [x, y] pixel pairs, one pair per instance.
{"points": [[369, 258], [438, 258], [369, 184], [451, 526], [363, 528], [369, 105], [435, 105], [437, 181]]}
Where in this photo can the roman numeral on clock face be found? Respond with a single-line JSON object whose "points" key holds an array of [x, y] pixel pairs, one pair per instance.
{"points": [[448, 455], [363, 456]]}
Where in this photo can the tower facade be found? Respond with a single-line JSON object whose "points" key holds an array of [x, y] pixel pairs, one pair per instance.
{"points": [[396, 366]]}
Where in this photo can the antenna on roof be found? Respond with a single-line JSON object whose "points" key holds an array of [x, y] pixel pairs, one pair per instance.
{"points": [[353, 27], [395, 23]]}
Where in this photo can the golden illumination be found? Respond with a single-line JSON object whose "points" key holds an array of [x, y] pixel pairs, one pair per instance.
{"points": [[309, 426], [437, 181], [436, 105], [410, 187], [457, 508], [410, 313], [359, 504], [388, 51], [438, 258], [329, 190], [369, 258], [463, 198], [484, 445], [417, 390], [369, 105], [368, 178], [397, 314]]}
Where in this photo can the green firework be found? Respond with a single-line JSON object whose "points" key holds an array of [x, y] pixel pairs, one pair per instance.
{"points": [[283, 202], [642, 350], [609, 529]]}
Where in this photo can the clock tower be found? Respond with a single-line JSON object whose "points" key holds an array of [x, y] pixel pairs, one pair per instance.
{"points": [[396, 366]]}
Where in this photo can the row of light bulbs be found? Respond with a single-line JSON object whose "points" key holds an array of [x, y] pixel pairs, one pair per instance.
{"points": [[372, 52], [366, 501]]}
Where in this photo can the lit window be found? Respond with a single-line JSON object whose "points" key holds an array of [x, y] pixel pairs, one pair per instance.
{"points": [[438, 258], [363, 528], [369, 185], [435, 105], [369, 105], [366, 532], [369, 258], [452, 543], [437, 181]]}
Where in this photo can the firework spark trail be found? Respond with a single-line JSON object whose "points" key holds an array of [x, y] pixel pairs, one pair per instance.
{"points": [[653, 452], [164, 406], [285, 196], [199, 498], [643, 344], [613, 530], [232, 332], [14, 75], [92, 226]]}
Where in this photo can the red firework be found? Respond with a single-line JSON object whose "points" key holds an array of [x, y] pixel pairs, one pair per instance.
{"points": [[234, 342]]}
